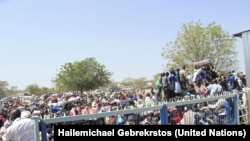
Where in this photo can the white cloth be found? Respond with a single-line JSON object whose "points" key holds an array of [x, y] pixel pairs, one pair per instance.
{"points": [[219, 88], [73, 99], [212, 106], [196, 74], [240, 82], [36, 113], [214, 88], [188, 118], [177, 87], [7, 124], [25, 114], [148, 101], [22, 129]]}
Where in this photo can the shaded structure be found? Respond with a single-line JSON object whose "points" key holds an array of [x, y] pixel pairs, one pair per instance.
{"points": [[245, 35]]}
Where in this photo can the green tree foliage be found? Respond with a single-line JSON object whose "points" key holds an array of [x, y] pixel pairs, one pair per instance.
{"points": [[60, 86], [140, 82], [127, 81], [46, 90], [3, 88], [33, 89], [13, 91], [195, 43], [84, 75], [8, 92]]}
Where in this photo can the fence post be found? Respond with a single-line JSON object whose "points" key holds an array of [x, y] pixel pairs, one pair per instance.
{"points": [[164, 115], [248, 102], [37, 134], [43, 130], [236, 108]]}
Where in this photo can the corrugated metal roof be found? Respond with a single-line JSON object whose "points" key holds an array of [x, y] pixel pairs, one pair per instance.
{"points": [[240, 33]]}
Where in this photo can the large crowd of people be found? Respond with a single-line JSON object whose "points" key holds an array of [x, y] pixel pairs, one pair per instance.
{"points": [[15, 116]]}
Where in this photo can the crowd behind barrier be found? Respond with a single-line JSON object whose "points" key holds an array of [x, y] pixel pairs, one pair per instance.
{"points": [[220, 109], [178, 98]]}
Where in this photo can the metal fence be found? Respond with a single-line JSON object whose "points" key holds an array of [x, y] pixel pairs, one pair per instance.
{"points": [[221, 109], [243, 108]]}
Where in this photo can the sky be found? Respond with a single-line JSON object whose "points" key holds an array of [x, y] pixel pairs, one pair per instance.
{"points": [[127, 36]]}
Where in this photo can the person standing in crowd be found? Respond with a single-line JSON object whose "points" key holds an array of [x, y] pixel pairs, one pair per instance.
{"points": [[159, 85], [189, 78], [214, 88], [234, 73], [223, 81], [199, 76], [230, 81], [182, 75], [203, 88], [242, 76], [165, 86], [171, 84], [177, 89], [21, 129]]}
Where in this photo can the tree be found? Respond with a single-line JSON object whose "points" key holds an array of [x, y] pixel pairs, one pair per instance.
{"points": [[141, 82], [59, 86], [5, 91], [195, 43], [33, 89], [113, 86], [46, 90], [82, 75], [3, 88], [13, 91], [127, 81]]}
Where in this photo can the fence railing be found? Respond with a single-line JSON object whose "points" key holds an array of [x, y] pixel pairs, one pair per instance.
{"points": [[165, 113], [243, 108]]}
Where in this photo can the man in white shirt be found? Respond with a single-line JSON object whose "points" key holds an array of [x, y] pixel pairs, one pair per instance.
{"points": [[219, 87], [199, 75], [21, 129], [214, 88]]}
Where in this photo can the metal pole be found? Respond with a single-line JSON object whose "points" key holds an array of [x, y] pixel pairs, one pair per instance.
{"points": [[246, 48], [37, 134], [43, 130], [236, 108], [164, 115]]}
